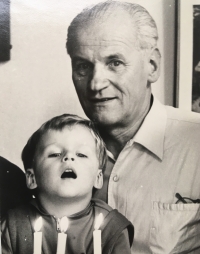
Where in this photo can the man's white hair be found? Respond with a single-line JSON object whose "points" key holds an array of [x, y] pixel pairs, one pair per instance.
{"points": [[144, 26]]}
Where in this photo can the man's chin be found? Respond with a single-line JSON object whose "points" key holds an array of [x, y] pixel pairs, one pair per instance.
{"points": [[106, 119]]}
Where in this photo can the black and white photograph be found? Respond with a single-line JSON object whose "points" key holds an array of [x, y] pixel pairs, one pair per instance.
{"points": [[100, 126]]}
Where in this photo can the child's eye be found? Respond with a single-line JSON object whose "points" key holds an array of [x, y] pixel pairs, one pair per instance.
{"points": [[54, 155], [81, 155]]}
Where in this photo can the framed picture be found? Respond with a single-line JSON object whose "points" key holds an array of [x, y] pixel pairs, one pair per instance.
{"points": [[5, 30], [188, 60]]}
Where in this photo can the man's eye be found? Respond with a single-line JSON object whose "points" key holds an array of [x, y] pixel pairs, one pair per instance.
{"points": [[81, 155], [115, 63], [82, 68], [54, 155]]}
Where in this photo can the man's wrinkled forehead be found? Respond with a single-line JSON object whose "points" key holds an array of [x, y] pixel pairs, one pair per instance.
{"points": [[110, 21], [114, 30]]}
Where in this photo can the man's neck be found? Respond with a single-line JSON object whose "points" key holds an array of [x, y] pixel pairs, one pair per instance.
{"points": [[60, 207], [116, 137]]}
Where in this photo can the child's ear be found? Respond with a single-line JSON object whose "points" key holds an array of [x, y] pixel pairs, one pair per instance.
{"points": [[99, 180], [30, 179]]}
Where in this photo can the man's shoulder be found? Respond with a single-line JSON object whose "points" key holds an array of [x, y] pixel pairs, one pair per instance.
{"points": [[183, 121], [183, 116], [183, 128]]}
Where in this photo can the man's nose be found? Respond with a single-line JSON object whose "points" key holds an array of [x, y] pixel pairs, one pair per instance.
{"points": [[99, 80]]}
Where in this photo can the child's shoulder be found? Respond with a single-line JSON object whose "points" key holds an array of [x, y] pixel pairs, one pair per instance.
{"points": [[107, 211], [113, 223], [19, 215], [111, 216], [17, 230], [19, 210], [100, 204]]}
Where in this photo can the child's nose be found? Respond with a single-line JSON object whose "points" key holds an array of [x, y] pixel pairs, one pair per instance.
{"points": [[68, 157]]}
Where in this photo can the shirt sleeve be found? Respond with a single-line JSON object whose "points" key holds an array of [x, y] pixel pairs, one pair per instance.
{"points": [[122, 245], [5, 239]]}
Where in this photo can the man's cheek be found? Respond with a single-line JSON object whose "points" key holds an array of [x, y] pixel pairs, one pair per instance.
{"points": [[74, 77], [78, 79]]}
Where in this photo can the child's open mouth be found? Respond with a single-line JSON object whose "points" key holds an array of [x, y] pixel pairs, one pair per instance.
{"points": [[69, 173]]}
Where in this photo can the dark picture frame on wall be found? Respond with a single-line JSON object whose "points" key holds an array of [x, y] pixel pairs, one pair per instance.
{"points": [[5, 46], [188, 59]]}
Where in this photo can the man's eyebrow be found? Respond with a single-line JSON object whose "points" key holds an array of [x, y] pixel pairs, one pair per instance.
{"points": [[78, 58], [113, 56]]}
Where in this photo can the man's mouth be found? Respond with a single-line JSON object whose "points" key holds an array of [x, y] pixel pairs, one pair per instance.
{"points": [[99, 100], [69, 173]]}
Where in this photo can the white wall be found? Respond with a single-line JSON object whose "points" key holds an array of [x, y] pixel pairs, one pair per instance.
{"points": [[36, 83]]}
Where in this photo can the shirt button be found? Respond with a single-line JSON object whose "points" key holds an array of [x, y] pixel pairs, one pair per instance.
{"points": [[115, 178]]}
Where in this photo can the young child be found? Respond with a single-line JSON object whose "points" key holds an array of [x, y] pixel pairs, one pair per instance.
{"points": [[64, 160]]}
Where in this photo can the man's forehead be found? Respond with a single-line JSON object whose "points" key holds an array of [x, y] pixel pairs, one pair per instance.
{"points": [[115, 13], [116, 23], [105, 34], [98, 49], [98, 42]]}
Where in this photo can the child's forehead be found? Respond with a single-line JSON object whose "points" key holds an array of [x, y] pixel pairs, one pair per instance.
{"points": [[72, 129], [76, 132]]}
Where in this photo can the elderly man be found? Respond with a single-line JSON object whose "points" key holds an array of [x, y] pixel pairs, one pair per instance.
{"points": [[153, 149]]}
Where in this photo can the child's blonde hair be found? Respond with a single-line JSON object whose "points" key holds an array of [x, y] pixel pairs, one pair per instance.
{"points": [[58, 123]]}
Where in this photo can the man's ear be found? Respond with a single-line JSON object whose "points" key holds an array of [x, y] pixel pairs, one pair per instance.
{"points": [[99, 180], [30, 179], [154, 65]]}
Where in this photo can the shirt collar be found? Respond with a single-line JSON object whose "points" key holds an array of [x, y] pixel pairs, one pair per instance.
{"points": [[152, 131], [34, 202], [110, 155]]}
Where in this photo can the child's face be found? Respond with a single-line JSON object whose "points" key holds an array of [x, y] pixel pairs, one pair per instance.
{"points": [[66, 164]]}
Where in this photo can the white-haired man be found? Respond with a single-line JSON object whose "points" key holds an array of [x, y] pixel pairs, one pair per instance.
{"points": [[153, 150]]}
